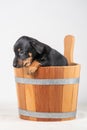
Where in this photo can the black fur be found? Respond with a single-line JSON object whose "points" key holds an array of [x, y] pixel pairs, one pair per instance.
{"points": [[41, 52]]}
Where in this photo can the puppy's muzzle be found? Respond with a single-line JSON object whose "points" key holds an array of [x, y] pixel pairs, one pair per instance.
{"points": [[27, 62], [18, 63]]}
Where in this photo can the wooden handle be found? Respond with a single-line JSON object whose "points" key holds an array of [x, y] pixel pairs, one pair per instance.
{"points": [[69, 48]]}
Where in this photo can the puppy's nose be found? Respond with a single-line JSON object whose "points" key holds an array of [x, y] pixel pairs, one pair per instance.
{"points": [[14, 64]]}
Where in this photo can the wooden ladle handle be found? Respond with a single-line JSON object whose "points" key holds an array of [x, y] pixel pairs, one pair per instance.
{"points": [[69, 48]]}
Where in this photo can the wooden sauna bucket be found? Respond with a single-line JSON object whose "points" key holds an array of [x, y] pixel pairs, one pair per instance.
{"points": [[51, 93]]}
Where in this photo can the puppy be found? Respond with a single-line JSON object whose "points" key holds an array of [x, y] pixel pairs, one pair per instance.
{"points": [[27, 50]]}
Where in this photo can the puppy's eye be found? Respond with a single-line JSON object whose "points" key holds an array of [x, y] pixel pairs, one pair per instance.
{"points": [[21, 52]]}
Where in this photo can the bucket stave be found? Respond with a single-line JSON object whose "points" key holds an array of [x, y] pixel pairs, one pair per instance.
{"points": [[57, 98]]}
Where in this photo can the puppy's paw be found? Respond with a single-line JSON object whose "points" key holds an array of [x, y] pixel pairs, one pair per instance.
{"points": [[32, 70], [27, 64]]}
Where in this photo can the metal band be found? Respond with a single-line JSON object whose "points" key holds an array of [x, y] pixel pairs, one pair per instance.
{"points": [[47, 81], [47, 114]]}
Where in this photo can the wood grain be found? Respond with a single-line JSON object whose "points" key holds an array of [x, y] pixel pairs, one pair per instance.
{"points": [[20, 89]]}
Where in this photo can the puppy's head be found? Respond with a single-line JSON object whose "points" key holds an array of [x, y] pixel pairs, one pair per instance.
{"points": [[26, 49]]}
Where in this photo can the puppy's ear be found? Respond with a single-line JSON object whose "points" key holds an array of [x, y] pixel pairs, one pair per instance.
{"points": [[38, 46]]}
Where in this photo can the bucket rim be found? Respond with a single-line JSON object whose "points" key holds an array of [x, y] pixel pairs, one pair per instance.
{"points": [[46, 67]]}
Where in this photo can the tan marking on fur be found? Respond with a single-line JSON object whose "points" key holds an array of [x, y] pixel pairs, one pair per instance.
{"points": [[20, 62], [27, 62], [30, 54], [19, 49]]}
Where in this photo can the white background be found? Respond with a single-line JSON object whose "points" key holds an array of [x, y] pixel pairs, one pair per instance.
{"points": [[48, 21]]}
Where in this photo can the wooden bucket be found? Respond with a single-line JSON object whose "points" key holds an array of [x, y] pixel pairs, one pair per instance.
{"points": [[51, 93]]}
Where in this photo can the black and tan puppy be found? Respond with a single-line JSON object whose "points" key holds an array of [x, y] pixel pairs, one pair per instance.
{"points": [[30, 51]]}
